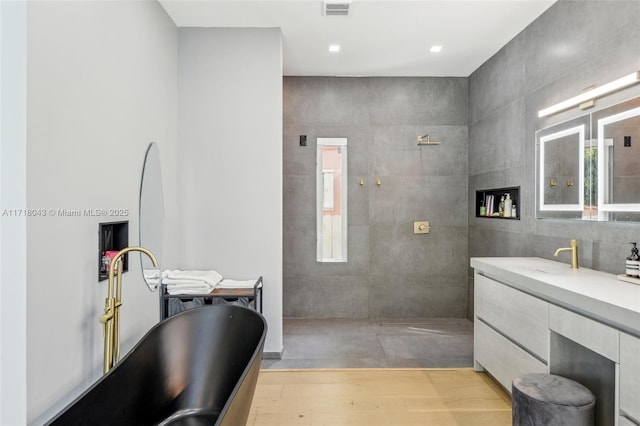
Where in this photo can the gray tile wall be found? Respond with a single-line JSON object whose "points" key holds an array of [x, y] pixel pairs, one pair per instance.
{"points": [[573, 45], [391, 272]]}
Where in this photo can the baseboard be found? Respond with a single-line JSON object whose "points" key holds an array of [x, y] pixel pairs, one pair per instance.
{"points": [[272, 355]]}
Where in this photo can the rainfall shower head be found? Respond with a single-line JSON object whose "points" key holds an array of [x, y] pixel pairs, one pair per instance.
{"points": [[426, 140]]}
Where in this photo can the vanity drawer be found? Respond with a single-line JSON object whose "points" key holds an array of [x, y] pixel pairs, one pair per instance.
{"points": [[519, 316], [591, 334], [630, 375], [501, 357]]}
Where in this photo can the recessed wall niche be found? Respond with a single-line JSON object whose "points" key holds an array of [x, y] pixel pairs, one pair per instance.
{"points": [[112, 236], [488, 200]]}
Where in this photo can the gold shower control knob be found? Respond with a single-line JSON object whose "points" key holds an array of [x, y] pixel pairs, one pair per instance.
{"points": [[421, 227]]}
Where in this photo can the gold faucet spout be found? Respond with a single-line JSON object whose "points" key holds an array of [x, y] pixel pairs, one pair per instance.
{"points": [[574, 253], [111, 316], [560, 250]]}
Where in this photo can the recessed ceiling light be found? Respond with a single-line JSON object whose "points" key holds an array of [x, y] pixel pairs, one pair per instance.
{"points": [[334, 48], [435, 49]]}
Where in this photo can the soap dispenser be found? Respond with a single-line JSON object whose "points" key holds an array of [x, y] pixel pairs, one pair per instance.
{"points": [[633, 263], [508, 203]]}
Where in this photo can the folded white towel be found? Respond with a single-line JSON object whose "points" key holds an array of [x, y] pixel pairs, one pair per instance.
{"points": [[169, 281], [226, 283], [189, 291], [193, 288], [151, 273], [209, 277], [152, 278], [153, 283]]}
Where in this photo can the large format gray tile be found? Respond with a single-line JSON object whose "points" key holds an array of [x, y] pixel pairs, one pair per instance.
{"points": [[329, 346], [395, 151], [415, 296], [416, 101], [328, 326], [498, 142], [498, 82], [381, 117], [296, 159], [326, 296], [396, 250], [422, 326], [299, 202], [375, 343], [439, 350], [325, 100], [405, 199], [561, 41]]}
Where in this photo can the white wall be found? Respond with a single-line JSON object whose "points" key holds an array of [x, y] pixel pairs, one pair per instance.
{"points": [[102, 84], [230, 164], [13, 229]]}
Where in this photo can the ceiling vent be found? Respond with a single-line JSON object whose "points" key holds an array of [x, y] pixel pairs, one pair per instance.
{"points": [[335, 8]]}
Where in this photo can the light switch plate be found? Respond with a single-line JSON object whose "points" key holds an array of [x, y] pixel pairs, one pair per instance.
{"points": [[421, 227]]}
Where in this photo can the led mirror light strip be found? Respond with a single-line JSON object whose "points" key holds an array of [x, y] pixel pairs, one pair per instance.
{"points": [[544, 142], [605, 151], [625, 81]]}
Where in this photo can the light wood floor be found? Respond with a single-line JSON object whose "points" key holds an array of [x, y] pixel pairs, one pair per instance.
{"points": [[379, 397]]}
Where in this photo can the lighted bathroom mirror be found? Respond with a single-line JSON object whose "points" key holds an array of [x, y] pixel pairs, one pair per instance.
{"points": [[151, 214], [563, 157], [617, 130], [331, 199], [601, 148]]}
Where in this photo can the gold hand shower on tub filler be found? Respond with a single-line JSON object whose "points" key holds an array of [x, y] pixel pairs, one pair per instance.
{"points": [[111, 316]]}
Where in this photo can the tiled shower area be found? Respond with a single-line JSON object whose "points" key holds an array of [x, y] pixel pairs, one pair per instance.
{"points": [[392, 182], [381, 343]]}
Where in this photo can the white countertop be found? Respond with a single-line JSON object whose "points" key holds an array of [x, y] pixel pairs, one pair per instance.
{"points": [[594, 294]]}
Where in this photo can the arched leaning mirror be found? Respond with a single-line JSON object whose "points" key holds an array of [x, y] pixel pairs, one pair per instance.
{"points": [[151, 214]]}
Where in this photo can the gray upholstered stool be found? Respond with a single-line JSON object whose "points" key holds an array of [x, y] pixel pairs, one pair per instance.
{"points": [[549, 400]]}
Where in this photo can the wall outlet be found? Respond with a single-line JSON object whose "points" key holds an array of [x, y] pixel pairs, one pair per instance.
{"points": [[303, 140], [627, 141]]}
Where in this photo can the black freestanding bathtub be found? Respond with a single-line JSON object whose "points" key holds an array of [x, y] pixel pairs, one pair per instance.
{"points": [[196, 368]]}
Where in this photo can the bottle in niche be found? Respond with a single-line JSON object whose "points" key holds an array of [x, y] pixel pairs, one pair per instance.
{"points": [[104, 264], [508, 205], [483, 209], [514, 211], [633, 263], [501, 207]]}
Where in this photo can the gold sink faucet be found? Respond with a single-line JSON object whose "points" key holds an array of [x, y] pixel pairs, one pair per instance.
{"points": [[574, 253], [111, 316]]}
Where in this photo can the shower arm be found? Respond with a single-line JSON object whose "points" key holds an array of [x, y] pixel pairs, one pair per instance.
{"points": [[421, 140]]}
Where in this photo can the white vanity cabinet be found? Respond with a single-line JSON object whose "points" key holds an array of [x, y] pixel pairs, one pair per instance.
{"points": [[537, 315], [591, 334], [629, 379], [510, 331]]}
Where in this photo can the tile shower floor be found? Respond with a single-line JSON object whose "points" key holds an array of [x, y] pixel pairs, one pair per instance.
{"points": [[379, 343]]}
